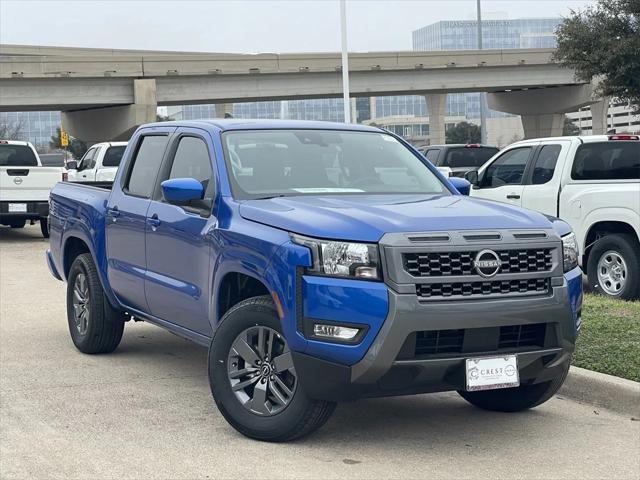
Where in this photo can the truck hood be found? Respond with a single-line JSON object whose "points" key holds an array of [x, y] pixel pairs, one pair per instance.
{"points": [[367, 217]]}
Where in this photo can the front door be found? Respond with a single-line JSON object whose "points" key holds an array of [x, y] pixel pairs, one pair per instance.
{"points": [[178, 243], [126, 220], [502, 179]]}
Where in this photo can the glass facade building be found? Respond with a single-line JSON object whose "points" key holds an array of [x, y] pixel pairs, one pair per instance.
{"points": [[34, 127], [496, 34]]}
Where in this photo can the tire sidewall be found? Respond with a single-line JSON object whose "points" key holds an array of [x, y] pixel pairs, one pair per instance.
{"points": [[233, 323], [623, 246], [96, 303]]}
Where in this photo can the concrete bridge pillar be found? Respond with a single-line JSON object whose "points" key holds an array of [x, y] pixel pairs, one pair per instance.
{"points": [[436, 105], [224, 110], [599, 117], [542, 110], [114, 123]]}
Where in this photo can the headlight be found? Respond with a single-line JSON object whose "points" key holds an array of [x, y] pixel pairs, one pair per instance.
{"points": [[569, 252], [342, 259]]}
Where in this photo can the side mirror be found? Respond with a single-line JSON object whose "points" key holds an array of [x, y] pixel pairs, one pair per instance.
{"points": [[180, 191], [72, 165], [462, 185], [472, 177]]}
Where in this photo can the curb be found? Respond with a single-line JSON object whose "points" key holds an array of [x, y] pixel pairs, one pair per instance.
{"points": [[606, 391]]}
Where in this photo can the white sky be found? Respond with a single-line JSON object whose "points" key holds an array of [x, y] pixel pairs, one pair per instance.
{"points": [[244, 26]]}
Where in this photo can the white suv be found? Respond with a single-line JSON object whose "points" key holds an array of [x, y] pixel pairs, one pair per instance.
{"points": [[99, 164], [593, 183]]}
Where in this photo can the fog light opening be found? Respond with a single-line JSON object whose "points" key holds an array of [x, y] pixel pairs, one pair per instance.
{"points": [[334, 331]]}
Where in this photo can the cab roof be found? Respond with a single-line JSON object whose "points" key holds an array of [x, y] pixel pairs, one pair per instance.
{"points": [[228, 124]]}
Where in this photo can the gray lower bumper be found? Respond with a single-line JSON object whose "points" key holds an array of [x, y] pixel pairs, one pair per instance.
{"points": [[381, 372]]}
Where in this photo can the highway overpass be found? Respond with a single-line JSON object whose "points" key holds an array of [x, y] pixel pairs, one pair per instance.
{"points": [[105, 94]]}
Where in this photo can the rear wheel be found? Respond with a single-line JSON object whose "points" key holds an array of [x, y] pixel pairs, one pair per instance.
{"points": [[518, 398], [95, 326], [18, 223], [44, 227], [613, 267], [253, 380]]}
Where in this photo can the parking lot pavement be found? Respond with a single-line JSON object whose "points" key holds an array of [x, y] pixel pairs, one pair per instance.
{"points": [[145, 411]]}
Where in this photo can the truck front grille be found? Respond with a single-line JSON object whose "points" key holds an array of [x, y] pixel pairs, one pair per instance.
{"points": [[443, 264], [483, 288]]}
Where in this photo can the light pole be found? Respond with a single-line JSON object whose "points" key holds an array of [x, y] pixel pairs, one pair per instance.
{"points": [[483, 116], [345, 62]]}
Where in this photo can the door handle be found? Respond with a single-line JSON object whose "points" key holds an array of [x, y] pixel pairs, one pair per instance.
{"points": [[513, 196], [154, 221], [113, 212]]}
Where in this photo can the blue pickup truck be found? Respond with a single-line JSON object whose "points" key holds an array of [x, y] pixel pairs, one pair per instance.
{"points": [[319, 263]]}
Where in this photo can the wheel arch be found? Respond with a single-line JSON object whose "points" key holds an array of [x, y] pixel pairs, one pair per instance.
{"points": [[602, 228], [233, 287]]}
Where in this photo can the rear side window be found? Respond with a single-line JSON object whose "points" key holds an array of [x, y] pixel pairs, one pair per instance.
{"points": [[146, 165], [468, 156], [192, 161], [613, 160], [17, 156], [545, 164], [432, 155], [113, 156]]}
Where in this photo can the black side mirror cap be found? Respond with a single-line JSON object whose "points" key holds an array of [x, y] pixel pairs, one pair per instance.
{"points": [[472, 177]]}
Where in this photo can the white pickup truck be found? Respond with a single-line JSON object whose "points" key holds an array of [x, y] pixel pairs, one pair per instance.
{"points": [[593, 183], [25, 185], [98, 164]]}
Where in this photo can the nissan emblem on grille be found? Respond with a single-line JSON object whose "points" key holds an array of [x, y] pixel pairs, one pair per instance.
{"points": [[487, 263]]}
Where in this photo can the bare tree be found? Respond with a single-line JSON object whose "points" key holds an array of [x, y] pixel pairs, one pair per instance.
{"points": [[11, 130]]}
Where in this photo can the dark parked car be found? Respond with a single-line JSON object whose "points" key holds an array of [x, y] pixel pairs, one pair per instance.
{"points": [[457, 157]]}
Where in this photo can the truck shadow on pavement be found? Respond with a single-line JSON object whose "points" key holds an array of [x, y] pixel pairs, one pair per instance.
{"points": [[28, 234], [425, 421]]}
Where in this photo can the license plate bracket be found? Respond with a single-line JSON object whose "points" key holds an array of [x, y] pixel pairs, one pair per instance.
{"points": [[490, 373], [17, 208]]}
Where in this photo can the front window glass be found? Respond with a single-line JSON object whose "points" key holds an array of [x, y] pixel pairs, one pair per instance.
{"points": [[508, 169], [267, 163]]}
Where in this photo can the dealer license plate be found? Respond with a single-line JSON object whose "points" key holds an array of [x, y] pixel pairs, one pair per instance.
{"points": [[17, 207], [489, 373]]}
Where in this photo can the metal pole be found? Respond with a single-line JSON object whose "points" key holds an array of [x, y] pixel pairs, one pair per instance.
{"points": [[483, 95], [345, 62]]}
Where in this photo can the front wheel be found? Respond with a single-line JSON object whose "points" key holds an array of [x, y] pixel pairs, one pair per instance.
{"points": [[518, 398], [613, 267], [253, 380], [95, 326]]}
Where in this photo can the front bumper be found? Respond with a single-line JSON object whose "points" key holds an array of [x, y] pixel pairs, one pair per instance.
{"points": [[391, 366]]}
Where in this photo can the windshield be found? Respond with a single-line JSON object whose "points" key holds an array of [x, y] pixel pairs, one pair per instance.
{"points": [[17, 156], [113, 156], [468, 156], [268, 163]]}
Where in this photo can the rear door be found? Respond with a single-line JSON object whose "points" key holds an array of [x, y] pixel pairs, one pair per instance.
{"points": [[542, 183], [502, 179], [126, 217], [108, 167], [177, 242]]}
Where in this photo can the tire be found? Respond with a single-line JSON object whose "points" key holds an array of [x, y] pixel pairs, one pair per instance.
{"points": [[100, 329], [620, 251], [516, 399], [279, 421], [18, 223], [44, 227]]}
